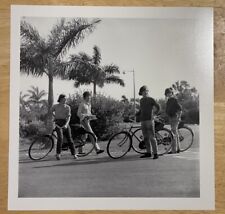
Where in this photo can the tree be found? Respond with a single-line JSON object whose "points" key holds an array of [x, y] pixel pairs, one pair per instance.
{"points": [[86, 70], [39, 56], [188, 97], [35, 96]]}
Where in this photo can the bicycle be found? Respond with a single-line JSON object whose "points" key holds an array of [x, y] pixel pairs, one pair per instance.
{"points": [[44, 144], [122, 142], [186, 136]]}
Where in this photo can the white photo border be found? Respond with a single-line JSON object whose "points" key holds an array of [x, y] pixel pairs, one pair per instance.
{"points": [[206, 201]]}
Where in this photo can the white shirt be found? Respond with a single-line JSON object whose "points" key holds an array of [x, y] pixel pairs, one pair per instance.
{"points": [[84, 110]]}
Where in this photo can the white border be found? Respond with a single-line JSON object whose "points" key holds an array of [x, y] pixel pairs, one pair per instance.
{"points": [[204, 17]]}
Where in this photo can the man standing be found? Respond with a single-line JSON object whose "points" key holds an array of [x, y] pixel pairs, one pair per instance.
{"points": [[147, 104]]}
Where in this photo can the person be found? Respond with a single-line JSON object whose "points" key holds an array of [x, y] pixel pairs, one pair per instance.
{"points": [[174, 111], [62, 114], [85, 115], [147, 106]]}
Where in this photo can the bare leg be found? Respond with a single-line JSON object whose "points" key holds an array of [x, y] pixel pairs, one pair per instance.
{"points": [[87, 127]]}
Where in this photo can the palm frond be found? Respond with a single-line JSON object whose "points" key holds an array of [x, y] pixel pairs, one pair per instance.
{"points": [[115, 79], [111, 69], [32, 60], [69, 34], [30, 35]]}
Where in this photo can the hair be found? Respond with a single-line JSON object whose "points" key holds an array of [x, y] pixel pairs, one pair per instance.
{"points": [[86, 94], [168, 91], [142, 89], [61, 96]]}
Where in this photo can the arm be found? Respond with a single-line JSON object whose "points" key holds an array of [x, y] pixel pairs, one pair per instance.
{"points": [[179, 110], [68, 118], [157, 107], [52, 110], [80, 113]]}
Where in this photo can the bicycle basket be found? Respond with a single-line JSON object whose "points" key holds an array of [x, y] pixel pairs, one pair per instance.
{"points": [[158, 125]]}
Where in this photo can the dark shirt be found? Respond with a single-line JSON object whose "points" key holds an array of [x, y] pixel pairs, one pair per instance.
{"points": [[146, 107], [172, 107]]}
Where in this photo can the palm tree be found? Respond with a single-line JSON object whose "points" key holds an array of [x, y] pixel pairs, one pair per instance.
{"points": [[23, 102], [86, 70], [39, 56], [35, 96]]}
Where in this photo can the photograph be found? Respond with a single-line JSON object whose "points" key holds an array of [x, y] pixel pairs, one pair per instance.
{"points": [[111, 105]]}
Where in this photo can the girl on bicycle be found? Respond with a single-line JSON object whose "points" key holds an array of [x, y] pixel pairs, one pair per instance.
{"points": [[85, 115], [62, 114], [147, 105], [174, 111]]}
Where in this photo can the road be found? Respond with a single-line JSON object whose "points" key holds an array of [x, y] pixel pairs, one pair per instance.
{"points": [[175, 175]]}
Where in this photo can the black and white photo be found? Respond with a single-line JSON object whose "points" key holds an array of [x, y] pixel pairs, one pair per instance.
{"points": [[111, 105]]}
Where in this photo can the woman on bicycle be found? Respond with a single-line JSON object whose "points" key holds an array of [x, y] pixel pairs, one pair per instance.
{"points": [[62, 114], [147, 104], [85, 115], [174, 111]]}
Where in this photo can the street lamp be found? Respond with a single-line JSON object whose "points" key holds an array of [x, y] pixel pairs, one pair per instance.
{"points": [[133, 88]]}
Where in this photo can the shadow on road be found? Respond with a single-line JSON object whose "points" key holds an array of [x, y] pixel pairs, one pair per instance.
{"points": [[89, 161]]}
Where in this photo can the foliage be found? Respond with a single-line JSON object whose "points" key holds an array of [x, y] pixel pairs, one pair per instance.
{"points": [[32, 105], [33, 128], [188, 97], [86, 70], [39, 56], [108, 111]]}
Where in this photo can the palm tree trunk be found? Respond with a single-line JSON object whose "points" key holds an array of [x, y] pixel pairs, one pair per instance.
{"points": [[50, 103], [94, 91], [50, 92]]}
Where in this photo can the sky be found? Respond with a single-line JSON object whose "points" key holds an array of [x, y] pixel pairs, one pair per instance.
{"points": [[159, 52]]}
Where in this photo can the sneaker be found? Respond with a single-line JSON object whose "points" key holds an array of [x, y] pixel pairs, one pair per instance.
{"points": [[57, 156], [146, 155], [100, 151], [155, 156]]}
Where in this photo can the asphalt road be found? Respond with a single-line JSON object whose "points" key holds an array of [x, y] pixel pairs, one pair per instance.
{"points": [[174, 175]]}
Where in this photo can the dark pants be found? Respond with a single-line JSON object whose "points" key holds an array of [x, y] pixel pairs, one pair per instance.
{"points": [[67, 134]]}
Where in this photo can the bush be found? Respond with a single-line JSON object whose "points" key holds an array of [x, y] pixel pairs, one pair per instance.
{"points": [[108, 111], [193, 116], [33, 128]]}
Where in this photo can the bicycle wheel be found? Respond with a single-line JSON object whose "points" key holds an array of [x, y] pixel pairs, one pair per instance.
{"points": [[138, 144], [40, 147], [186, 137], [119, 144], [84, 143], [164, 139]]}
